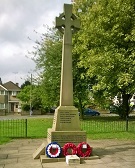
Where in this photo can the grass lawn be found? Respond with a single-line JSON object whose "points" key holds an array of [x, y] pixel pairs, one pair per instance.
{"points": [[96, 128], [112, 135], [37, 127], [4, 140]]}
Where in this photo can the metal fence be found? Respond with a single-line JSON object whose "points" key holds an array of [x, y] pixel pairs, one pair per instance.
{"points": [[33, 128], [96, 126], [13, 128]]}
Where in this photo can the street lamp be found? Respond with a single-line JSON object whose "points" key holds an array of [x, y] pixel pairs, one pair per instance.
{"points": [[31, 95]]}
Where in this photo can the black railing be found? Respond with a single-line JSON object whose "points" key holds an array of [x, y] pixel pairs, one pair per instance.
{"points": [[16, 128], [13, 128], [96, 126]]}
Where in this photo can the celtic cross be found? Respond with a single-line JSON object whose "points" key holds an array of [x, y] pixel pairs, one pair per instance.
{"points": [[67, 23]]}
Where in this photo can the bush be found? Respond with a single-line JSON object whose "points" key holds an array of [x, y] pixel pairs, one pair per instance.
{"points": [[118, 109], [25, 107]]}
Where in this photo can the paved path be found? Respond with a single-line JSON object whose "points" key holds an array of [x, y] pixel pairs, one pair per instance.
{"points": [[112, 153], [18, 116]]}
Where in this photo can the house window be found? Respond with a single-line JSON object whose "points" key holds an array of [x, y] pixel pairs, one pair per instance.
{"points": [[14, 93], [1, 92], [2, 106]]}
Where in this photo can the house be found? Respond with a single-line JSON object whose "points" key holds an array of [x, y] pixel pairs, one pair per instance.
{"points": [[8, 97], [117, 100]]}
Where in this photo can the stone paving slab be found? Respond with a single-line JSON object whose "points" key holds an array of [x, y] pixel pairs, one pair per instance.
{"points": [[24, 165], [3, 156], [45, 159], [19, 155], [112, 153], [2, 166], [86, 164], [8, 161]]}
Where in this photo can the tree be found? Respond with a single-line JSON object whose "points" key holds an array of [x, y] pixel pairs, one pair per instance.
{"points": [[106, 46], [48, 57], [26, 83], [31, 94], [81, 85], [24, 95]]}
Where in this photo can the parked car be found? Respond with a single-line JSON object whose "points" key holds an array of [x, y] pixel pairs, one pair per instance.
{"points": [[118, 109], [114, 109], [90, 112]]}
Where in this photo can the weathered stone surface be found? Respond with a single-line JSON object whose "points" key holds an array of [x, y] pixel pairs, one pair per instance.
{"points": [[39, 151], [63, 137], [72, 159], [45, 159], [2, 166], [3, 156], [66, 118], [112, 153], [66, 124], [8, 161], [24, 165], [69, 21]]}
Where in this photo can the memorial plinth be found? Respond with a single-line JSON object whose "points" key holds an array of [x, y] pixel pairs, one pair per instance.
{"points": [[66, 127], [66, 123]]}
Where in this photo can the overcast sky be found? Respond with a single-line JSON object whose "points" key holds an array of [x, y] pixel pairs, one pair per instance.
{"points": [[18, 20]]}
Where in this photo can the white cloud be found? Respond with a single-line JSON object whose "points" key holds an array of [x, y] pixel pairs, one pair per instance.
{"points": [[18, 20]]}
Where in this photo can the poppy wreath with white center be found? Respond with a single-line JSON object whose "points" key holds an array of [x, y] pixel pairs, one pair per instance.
{"points": [[81, 152], [53, 150]]}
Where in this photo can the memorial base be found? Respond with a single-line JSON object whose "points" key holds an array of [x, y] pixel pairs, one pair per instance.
{"points": [[63, 137], [45, 159], [66, 127]]}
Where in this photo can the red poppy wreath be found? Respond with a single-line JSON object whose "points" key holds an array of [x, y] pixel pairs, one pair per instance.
{"points": [[69, 149], [84, 150]]}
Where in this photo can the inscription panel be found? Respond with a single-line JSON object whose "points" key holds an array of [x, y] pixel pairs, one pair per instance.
{"points": [[70, 138], [62, 139], [67, 117]]}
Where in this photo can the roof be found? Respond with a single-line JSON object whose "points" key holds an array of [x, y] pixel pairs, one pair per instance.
{"points": [[2, 87], [10, 86]]}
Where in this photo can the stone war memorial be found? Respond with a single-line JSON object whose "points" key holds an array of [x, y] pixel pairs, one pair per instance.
{"points": [[66, 124], [65, 135]]}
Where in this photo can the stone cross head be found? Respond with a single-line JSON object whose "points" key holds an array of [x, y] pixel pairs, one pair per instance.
{"points": [[67, 21]]}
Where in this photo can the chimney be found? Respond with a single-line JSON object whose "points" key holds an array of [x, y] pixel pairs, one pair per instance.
{"points": [[0, 81]]}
